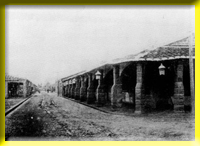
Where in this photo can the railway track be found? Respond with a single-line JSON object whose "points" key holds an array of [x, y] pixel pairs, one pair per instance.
{"points": [[17, 105]]}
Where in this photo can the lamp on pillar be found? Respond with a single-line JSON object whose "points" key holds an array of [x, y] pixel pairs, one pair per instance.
{"points": [[161, 69], [98, 75]]}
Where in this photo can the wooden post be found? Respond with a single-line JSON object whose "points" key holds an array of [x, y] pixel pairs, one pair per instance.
{"points": [[191, 74]]}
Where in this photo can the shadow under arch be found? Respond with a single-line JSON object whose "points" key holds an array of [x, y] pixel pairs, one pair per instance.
{"points": [[159, 89], [128, 80], [108, 83]]}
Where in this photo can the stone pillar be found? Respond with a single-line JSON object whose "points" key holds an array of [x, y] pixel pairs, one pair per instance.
{"points": [[73, 90], [178, 98], [116, 90], [63, 90], [139, 89], [100, 91], [90, 89], [69, 89], [77, 89], [83, 89], [66, 90], [25, 88]]}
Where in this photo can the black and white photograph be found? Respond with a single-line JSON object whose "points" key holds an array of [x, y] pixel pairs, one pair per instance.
{"points": [[100, 73]]}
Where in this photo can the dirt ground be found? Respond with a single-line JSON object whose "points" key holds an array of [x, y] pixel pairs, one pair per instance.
{"points": [[48, 117]]}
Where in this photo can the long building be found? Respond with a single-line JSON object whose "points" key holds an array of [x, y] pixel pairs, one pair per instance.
{"points": [[156, 79]]}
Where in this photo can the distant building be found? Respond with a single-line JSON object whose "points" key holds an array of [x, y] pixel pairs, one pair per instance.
{"points": [[18, 87]]}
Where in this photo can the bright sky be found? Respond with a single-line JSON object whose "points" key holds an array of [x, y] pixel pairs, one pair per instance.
{"points": [[44, 43]]}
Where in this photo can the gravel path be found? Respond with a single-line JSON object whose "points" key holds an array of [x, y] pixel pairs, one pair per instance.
{"points": [[48, 117]]}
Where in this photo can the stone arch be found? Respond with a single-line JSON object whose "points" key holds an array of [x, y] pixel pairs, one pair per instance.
{"points": [[128, 80], [108, 82], [159, 89], [123, 66], [107, 70]]}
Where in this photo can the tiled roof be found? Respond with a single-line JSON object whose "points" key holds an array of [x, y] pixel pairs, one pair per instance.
{"points": [[11, 78], [183, 42], [165, 53], [178, 49], [71, 76], [175, 50]]}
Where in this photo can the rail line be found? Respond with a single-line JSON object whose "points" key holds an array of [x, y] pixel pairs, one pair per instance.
{"points": [[17, 105]]}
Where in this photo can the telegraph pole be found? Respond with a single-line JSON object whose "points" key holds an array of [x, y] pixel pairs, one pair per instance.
{"points": [[191, 64]]}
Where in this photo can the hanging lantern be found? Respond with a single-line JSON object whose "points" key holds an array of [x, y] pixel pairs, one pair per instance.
{"points": [[74, 81], [98, 75], [66, 82], [161, 69]]}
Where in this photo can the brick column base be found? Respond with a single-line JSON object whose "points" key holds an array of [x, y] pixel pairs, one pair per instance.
{"points": [[66, 91], [73, 91], [139, 98], [178, 98], [116, 95], [90, 96], [77, 94], [69, 91], [100, 96], [83, 95]]}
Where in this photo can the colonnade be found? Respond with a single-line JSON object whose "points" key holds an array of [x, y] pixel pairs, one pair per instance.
{"points": [[82, 87]]}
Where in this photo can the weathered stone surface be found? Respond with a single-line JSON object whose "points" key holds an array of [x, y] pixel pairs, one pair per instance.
{"points": [[178, 98], [116, 95], [83, 93], [69, 90], [66, 91], [77, 93], [73, 91], [100, 95], [177, 101], [179, 108], [90, 90], [116, 90], [90, 95], [83, 89], [100, 92], [77, 89], [139, 89]]}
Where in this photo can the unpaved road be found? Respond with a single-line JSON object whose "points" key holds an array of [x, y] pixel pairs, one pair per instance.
{"points": [[48, 117]]}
